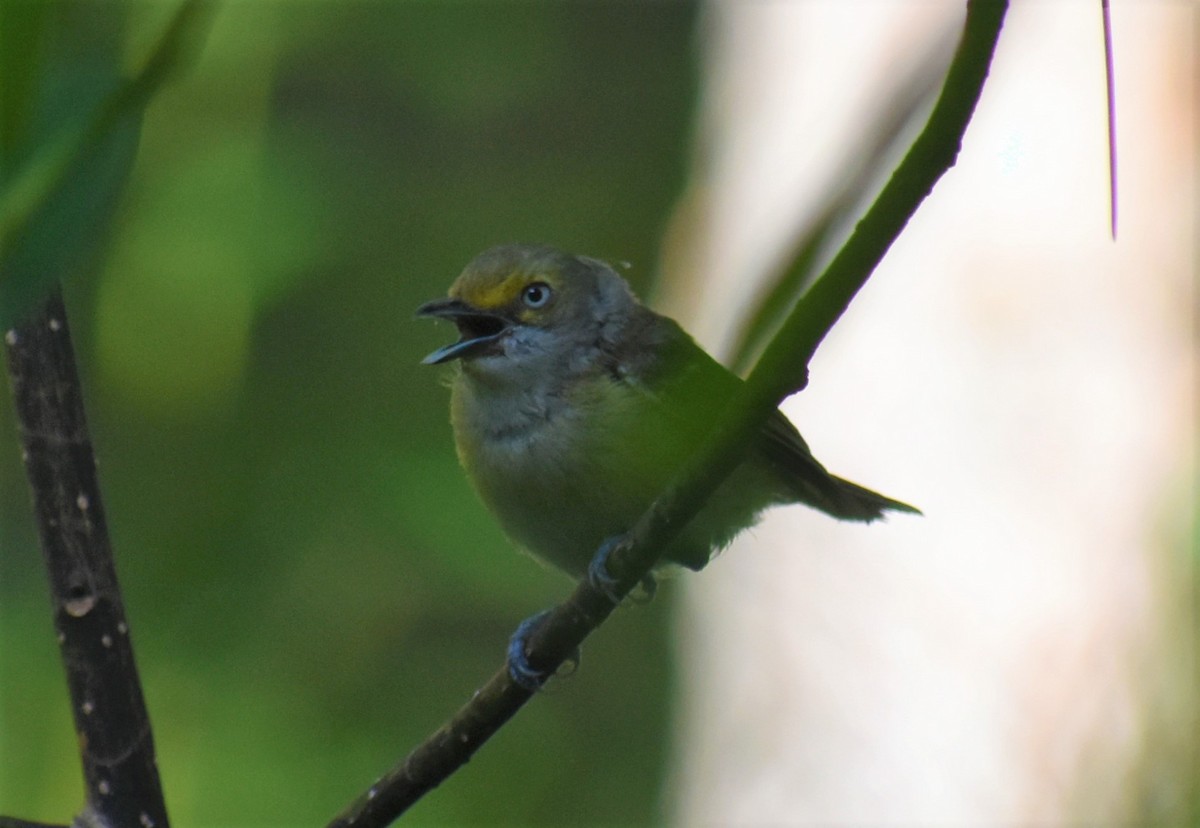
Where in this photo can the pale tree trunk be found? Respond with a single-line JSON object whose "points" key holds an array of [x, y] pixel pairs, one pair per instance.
{"points": [[1022, 654]]}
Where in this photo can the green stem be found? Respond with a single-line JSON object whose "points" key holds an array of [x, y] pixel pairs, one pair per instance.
{"points": [[780, 372]]}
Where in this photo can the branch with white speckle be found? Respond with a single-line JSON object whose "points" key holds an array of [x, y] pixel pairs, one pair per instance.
{"points": [[115, 743]]}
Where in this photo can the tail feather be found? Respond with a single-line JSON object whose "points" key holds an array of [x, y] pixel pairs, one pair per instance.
{"points": [[851, 501], [783, 448]]}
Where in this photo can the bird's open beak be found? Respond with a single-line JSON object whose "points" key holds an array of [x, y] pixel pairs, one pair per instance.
{"points": [[477, 328]]}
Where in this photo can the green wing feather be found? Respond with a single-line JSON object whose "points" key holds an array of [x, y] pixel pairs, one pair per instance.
{"points": [[661, 359]]}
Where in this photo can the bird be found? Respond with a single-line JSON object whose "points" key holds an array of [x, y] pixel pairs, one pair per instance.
{"points": [[573, 406]]}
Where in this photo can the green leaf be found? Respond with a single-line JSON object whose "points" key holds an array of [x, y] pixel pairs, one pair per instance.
{"points": [[61, 183], [22, 26], [60, 190]]}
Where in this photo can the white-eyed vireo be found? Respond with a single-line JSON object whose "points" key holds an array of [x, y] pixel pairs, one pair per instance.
{"points": [[574, 405]]}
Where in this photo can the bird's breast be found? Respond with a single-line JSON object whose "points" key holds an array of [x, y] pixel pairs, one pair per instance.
{"points": [[562, 471]]}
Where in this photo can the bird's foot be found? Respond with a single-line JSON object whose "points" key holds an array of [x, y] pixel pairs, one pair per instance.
{"points": [[519, 668], [645, 591], [601, 579], [598, 575]]}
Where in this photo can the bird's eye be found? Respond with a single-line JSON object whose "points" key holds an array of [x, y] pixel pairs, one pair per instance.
{"points": [[536, 295]]}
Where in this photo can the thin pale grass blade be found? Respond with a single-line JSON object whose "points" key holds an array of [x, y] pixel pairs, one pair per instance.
{"points": [[1110, 91]]}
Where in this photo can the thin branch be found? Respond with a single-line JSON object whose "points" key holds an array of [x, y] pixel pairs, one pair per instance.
{"points": [[854, 175], [1110, 98], [780, 372], [116, 748]]}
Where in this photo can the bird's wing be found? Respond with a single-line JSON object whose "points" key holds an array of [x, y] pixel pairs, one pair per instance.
{"points": [[662, 361], [691, 388], [658, 359]]}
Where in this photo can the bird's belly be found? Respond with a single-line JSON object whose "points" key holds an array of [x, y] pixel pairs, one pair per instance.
{"points": [[559, 492], [560, 485]]}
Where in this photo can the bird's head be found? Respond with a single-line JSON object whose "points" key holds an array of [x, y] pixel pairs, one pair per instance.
{"points": [[528, 303]]}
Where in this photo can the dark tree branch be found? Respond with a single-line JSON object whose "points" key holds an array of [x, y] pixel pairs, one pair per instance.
{"points": [[781, 371], [117, 751]]}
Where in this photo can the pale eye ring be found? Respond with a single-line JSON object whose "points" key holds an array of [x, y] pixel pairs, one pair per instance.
{"points": [[536, 294]]}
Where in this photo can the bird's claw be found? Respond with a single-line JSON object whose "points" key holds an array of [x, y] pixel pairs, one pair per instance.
{"points": [[519, 668], [645, 591], [602, 581], [599, 576]]}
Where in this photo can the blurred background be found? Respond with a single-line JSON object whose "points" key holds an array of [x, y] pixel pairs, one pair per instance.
{"points": [[311, 584], [1025, 653]]}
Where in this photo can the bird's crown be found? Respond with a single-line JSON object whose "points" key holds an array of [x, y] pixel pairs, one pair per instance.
{"points": [[518, 278]]}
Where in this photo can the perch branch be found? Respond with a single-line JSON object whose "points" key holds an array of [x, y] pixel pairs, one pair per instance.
{"points": [[781, 371]]}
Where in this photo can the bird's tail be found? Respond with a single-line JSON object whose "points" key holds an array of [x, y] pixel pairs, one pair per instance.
{"points": [[807, 481], [850, 501]]}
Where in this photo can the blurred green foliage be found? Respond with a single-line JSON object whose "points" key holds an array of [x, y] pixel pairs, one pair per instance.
{"points": [[312, 585], [61, 63]]}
